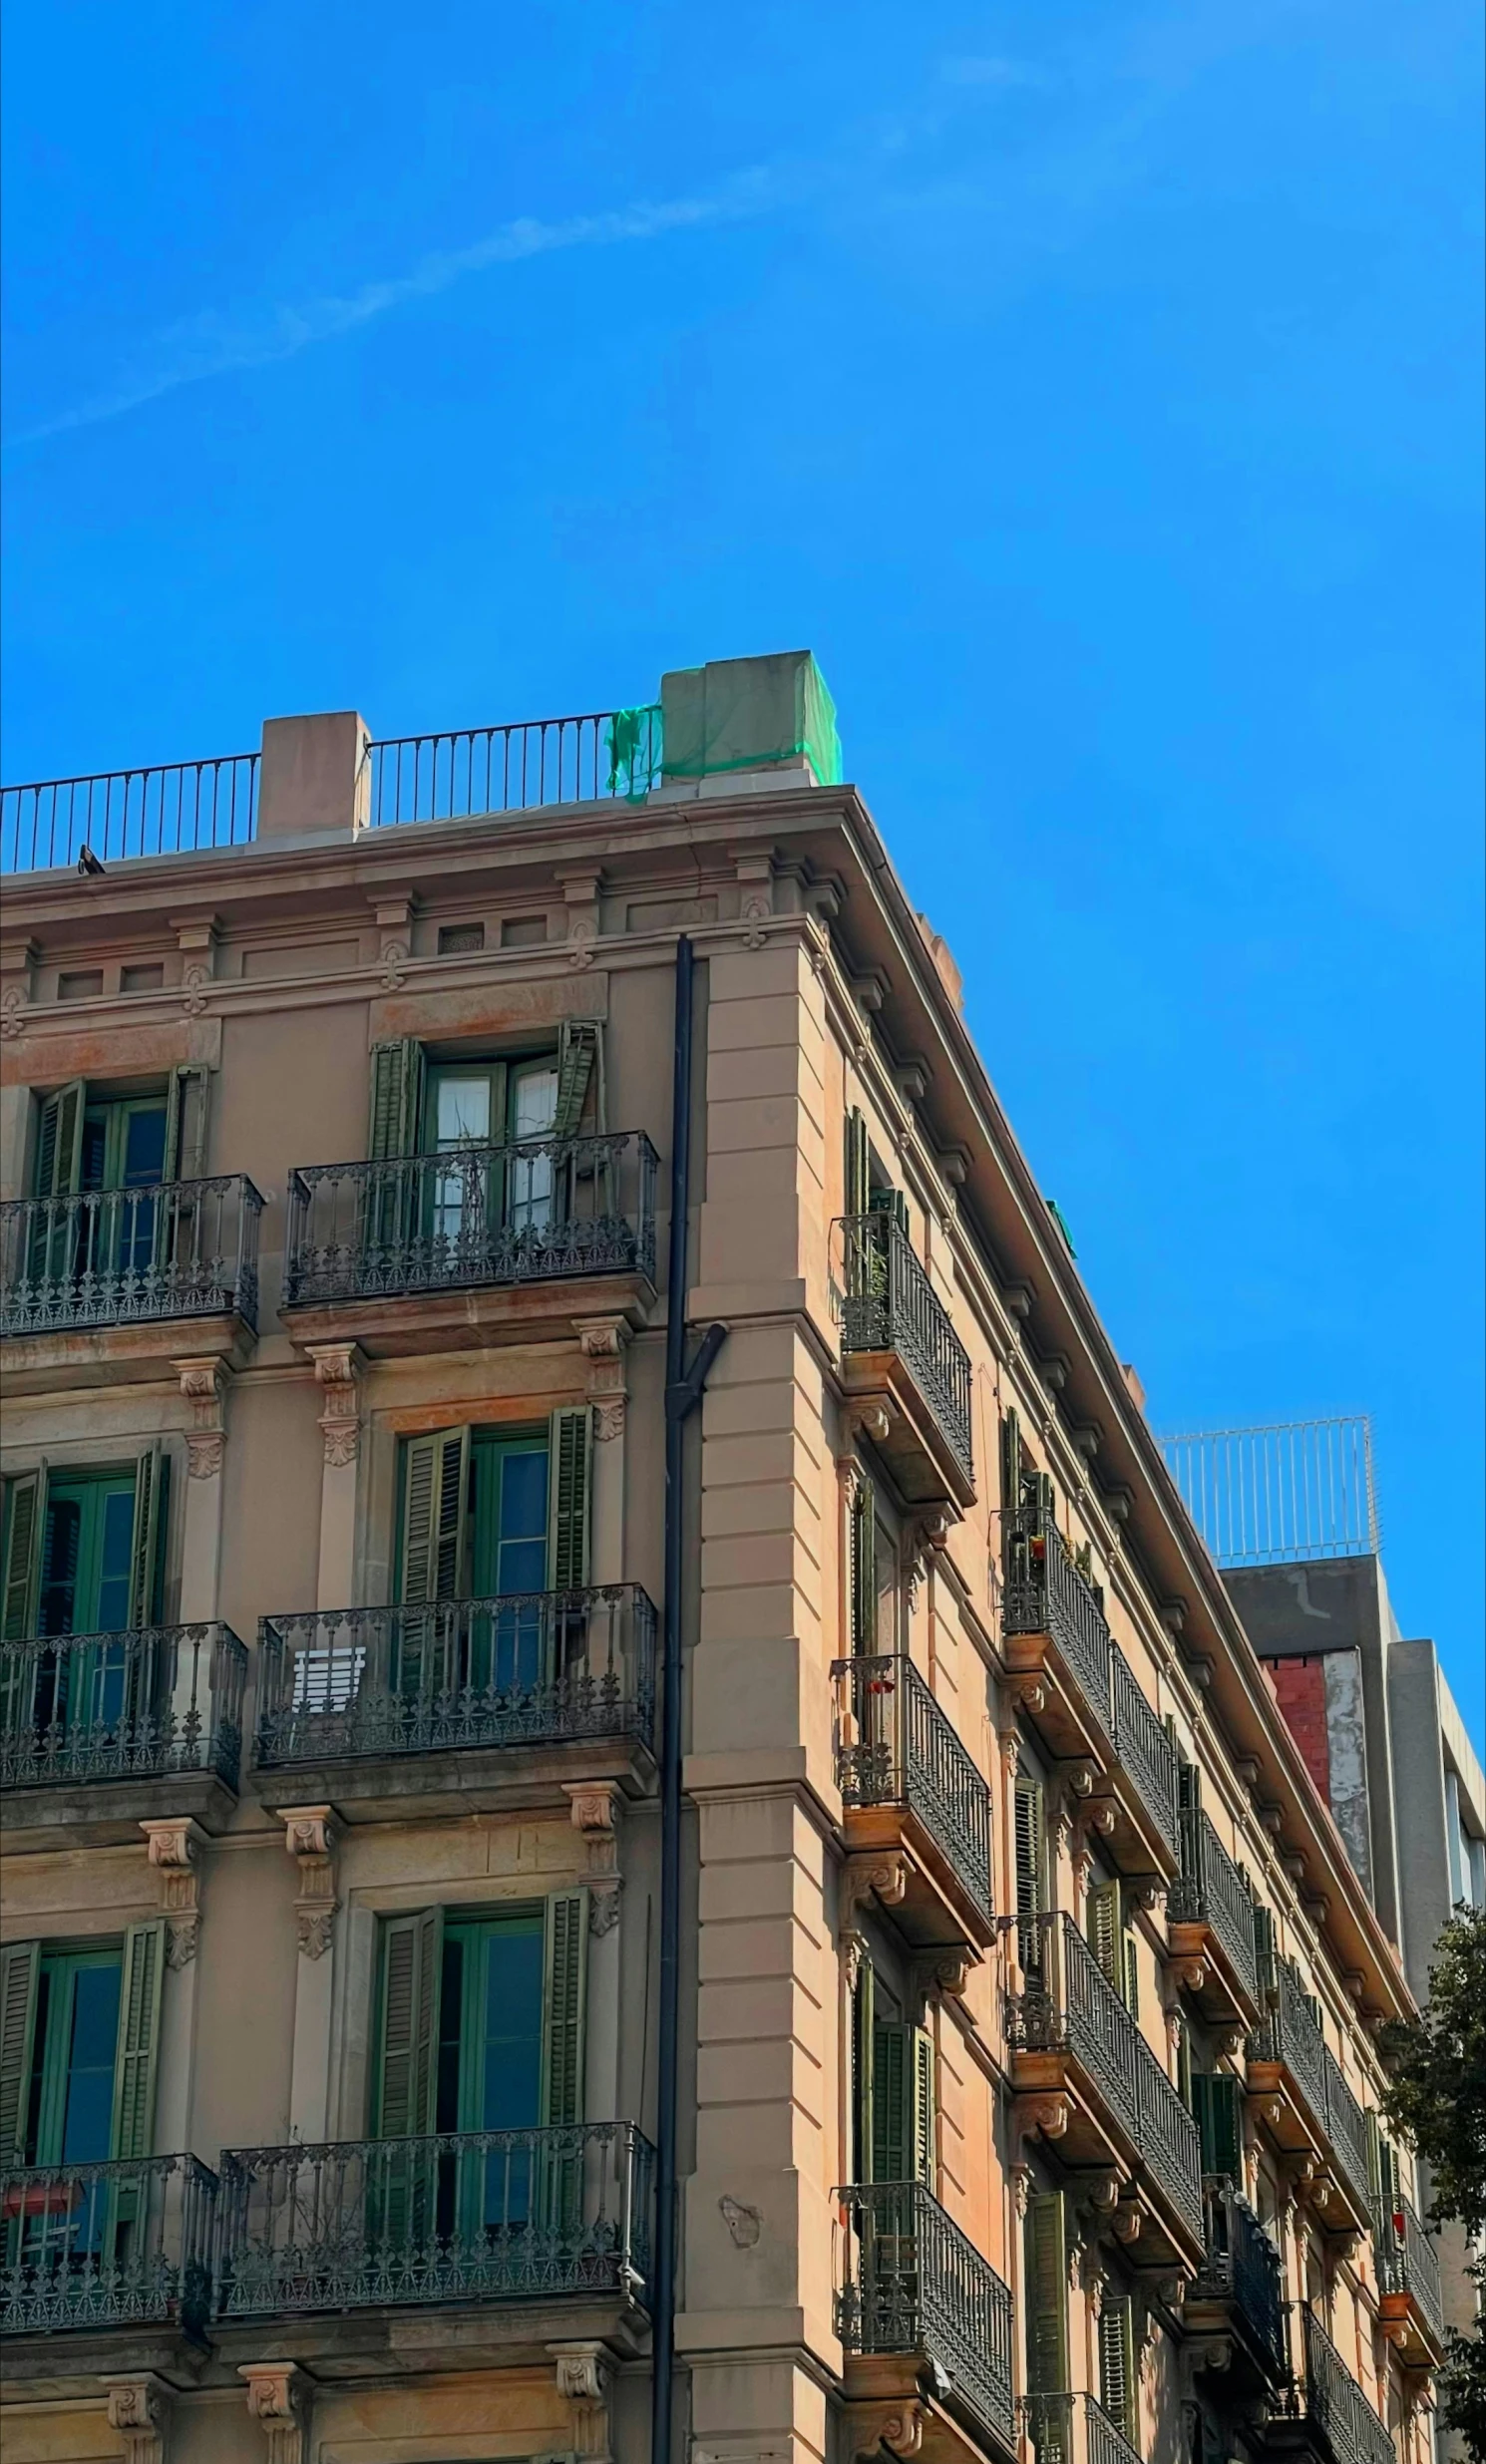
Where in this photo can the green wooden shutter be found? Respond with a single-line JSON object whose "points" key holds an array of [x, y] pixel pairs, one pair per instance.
{"points": [[1030, 1827], [186, 1100], [864, 2040], [570, 1488], [138, 2055], [1010, 1461], [146, 1550], [565, 1995], [903, 2135], [25, 1526], [1184, 2061], [408, 2071], [1189, 1786], [1130, 1973], [922, 2148], [1215, 2107], [1046, 2298], [863, 1572], [20, 1976], [436, 1516], [1117, 2361], [858, 1165], [396, 1098], [1264, 1949], [1102, 1926], [580, 1069], [59, 1141]]}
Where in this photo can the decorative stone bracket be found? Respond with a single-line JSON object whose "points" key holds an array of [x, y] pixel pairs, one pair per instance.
{"points": [[394, 919], [603, 1341], [139, 2409], [279, 2398], [337, 1373], [173, 1849], [205, 1383], [596, 1807], [945, 1974], [896, 2426], [926, 1539], [886, 1875], [311, 1838], [584, 2377], [581, 893]]}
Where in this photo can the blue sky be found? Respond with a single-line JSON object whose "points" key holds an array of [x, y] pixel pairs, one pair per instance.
{"points": [[1095, 389]]}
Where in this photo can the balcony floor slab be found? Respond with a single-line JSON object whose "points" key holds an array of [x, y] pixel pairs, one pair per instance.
{"points": [[402, 1326]]}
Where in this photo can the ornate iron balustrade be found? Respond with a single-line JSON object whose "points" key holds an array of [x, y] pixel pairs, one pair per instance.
{"points": [[1243, 2267], [145, 1703], [106, 2246], [1211, 1891], [117, 1258], [1046, 1595], [1074, 2429], [1407, 2259], [1077, 2010], [474, 770], [912, 2284], [1291, 2036], [1146, 1752], [161, 810], [887, 1304], [525, 1668], [1329, 2399], [529, 1210], [466, 2216], [894, 1746]]}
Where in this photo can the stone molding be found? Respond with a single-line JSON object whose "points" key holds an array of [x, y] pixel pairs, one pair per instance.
{"points": [[310, 1835], [138, 2408], [171, 1849], [338, 1368], [279, 2398], [204, 1380]]}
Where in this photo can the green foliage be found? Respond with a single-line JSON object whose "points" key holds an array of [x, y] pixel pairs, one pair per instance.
{"points": [[1436, 2100]]}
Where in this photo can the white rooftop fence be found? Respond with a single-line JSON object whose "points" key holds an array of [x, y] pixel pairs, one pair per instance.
{"points": [[1295, 1490]]}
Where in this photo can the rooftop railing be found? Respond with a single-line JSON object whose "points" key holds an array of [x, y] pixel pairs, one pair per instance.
{"points": [[1290, 2034], [911, 2283], [887, 1304], [468, 2215], [117, 2244], [1046, 1595], [522, 1213], [894, 1746], [530, 1668], [1296, 1489], [149, 1703], [1211, 1891], [122, 1257], [1331, 2400], [1408, 2259], [1077, 2010], [169, 809], [1244, 2268]]}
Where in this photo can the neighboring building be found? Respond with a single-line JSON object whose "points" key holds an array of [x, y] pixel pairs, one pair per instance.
{"points": [[1289, 1514], [1026, 2066]]}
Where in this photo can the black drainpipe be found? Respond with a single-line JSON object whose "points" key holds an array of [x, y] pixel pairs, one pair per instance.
{"points": [[683, 1392]]}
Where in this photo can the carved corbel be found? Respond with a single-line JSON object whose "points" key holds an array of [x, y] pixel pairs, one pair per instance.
{"points": [[1009, 1742], [925, 1538], [604, 1905], [138, 2408], [896, 2426], [755, 896], [887, 1875], [173, 1849], [580, 891], [205, 1383], [585, 2381], [596, 1807], [867, 1418], [196, 938], [311, 1838], [278, 2400], [602, 1342], [945, 1974], [1147, 1891], [1030, 1694], [1022, 2188], [854, 1952], [393, 920], [337, 1373], [1128, 2220], [1049, 2114]]}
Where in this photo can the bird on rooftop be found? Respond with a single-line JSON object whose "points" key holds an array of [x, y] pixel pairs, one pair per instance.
{"points": [[88, 862]]}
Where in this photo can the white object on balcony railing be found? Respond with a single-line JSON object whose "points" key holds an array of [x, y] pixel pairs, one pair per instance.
{"points": [[1296, 1489]]}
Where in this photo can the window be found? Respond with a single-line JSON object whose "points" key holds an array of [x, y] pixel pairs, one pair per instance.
{"points": [[79, 2035], [1030, 1848], [873, 1574], [893, 2086], [1117, 2362], [84, 1551], [1046, 2302], [1107, 1925]]}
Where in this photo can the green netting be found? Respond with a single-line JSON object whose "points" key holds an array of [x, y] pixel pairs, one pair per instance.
{"points": [[634, 746], [744, 714]]}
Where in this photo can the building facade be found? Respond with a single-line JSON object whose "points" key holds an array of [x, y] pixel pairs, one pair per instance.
{"points": [[1027, 2071]]}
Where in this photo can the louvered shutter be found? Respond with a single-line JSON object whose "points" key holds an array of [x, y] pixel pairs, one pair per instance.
{"points": [[922, 2149], [564, 1963], [1215, 2107], [59, 1141], [1028, 1822], [570, 1487], [1264, 1949], [408, 2072], [858, 1165], [436, 1516], [1116, 2362], [1010, 1461], [137, 2057], [26, 1522], [902, 2104], [185, 1122], [20, 1976], [864, 2042], [1130, 1974], [864, 1569], [1102, 1926], [148, 1534], [579, 1074], [396, 1098], [1189, 1786], [1046, 2298]]}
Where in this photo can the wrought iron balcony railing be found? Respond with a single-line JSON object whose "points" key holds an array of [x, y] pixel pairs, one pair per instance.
{"points": [[1408, 2259], [122, 1257], [894, 1746], [526, 1668], [1075, 2009], [1074, 2429], [469, 2216], [106, 2246], [911, 2283], [1290, 2035], [1244, 2270], [1046, 1595], [1211, 1891], [887, 1304], [1330, 2401], [530, 1211], [1146, 1753], [149, 1703]]}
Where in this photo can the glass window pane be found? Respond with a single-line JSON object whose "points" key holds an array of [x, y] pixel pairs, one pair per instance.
{"points": [[143, 1147], [511, 2065], [89, 2110], [533, 1100], [524, 1496], [58, 1568], [112, 1610], [463, 1112]]}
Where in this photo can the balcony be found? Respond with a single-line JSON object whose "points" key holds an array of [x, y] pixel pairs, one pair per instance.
{"points": [[1087, 2078], [105, 2247], [464, 1699], [901, 1355], [1143, 1784], [89, 1723], [1074, 2429], [1308, 2107], [908, 1785], [123, 1277], [467, 2217], [1412, 2305], [482, 1244], [1237, 2300], [1210, 1927], [915, 2296], [1325, 2413]]}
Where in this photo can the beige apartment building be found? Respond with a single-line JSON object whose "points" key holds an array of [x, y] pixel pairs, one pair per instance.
{"points": [[1022, 2102]]}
